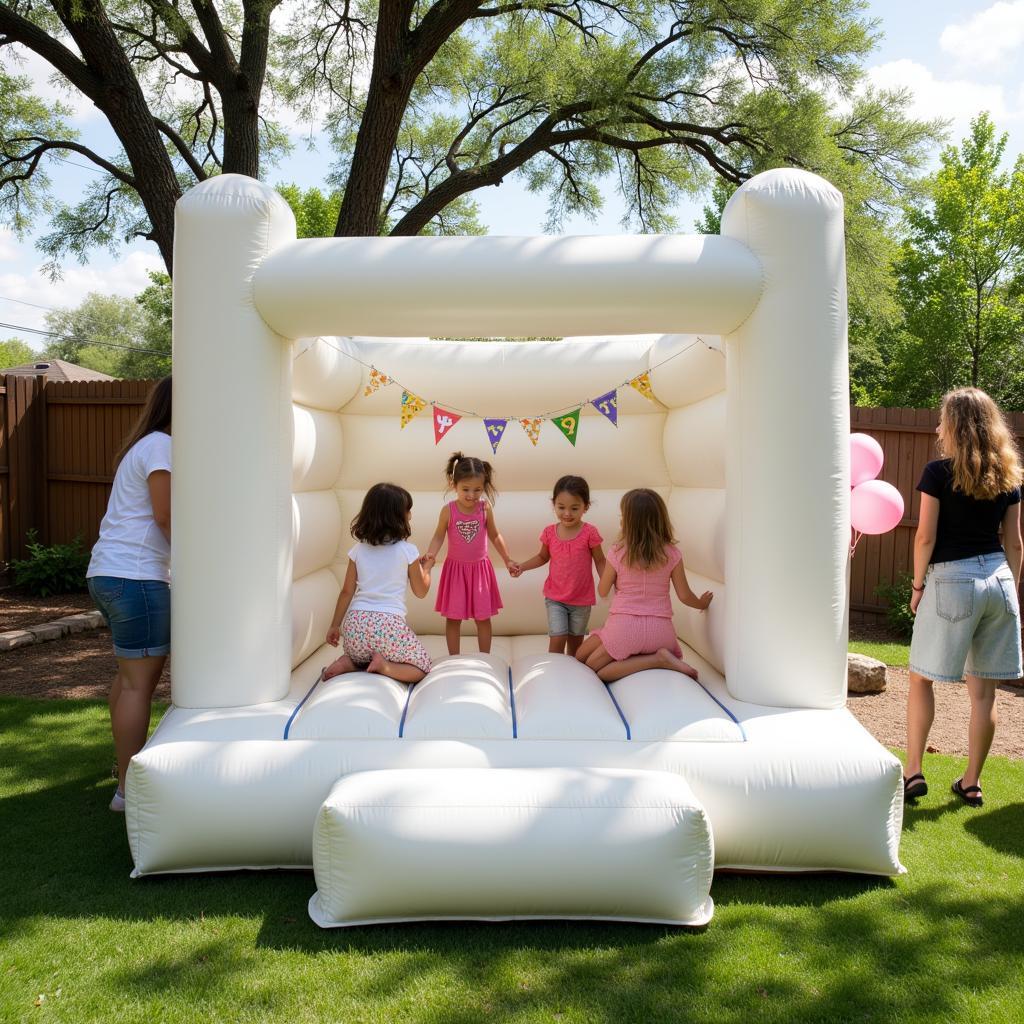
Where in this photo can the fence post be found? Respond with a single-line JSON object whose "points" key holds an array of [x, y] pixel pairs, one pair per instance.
{"points": [[26, 463]]}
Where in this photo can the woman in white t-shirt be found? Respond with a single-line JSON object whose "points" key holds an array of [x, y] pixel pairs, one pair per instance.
{"points": [[129, 575], [369, 617]]}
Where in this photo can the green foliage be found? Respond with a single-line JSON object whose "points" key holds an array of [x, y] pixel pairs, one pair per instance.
{"points": [[315, 213], [14, 352], [51, 568], [155, 335], [897, 596]]}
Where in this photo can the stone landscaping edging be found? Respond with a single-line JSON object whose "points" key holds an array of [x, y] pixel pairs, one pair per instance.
{"points": [[65, 626]]}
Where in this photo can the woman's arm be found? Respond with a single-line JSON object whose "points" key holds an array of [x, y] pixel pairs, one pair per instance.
{"points": [[597, 553], [1011, 540], [348, 589], [541, 558], [607, 581], [924, 544], [419, 578], [159, 482], [496, 538], [683, 591], [437, 541]]}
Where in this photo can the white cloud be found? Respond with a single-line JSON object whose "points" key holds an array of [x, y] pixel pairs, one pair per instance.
{"points": [[48, 84], [8, 246], [987, 39]]}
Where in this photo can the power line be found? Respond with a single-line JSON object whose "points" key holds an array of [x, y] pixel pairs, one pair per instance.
{"points": [[82, 341]]}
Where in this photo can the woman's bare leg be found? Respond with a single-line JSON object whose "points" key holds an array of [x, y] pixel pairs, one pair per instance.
{"points": [[452, 630], [483, 635], [587, 648], [130, 712], [664, 658], [920, 715], [572, 644], [401, 671], [556, 645], [982, 728]]}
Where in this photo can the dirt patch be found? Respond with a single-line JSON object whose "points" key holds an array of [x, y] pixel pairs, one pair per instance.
{"points": [[876, 632], [78, 666], [884, 716], [18, 610]]}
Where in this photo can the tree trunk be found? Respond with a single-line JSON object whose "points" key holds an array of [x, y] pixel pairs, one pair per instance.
{"points": [[241, 130]]}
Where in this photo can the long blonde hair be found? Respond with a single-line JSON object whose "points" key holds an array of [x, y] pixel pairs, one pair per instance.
{"points": [[646, 528], [974, 436]]}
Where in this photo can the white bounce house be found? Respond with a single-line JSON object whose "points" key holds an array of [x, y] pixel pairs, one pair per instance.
{"points": [[513, 784]]}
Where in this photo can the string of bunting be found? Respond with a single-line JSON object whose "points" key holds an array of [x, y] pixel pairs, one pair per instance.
{"points": [[566, 420]]}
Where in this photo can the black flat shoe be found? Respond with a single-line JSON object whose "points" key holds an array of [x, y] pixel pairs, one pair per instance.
{"points": [[971, 795], [914, 787]]}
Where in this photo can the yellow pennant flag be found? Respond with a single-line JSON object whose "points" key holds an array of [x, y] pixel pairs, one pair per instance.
{"points": [[412, 406], [377, 380], [642, 383], [532, 428]]}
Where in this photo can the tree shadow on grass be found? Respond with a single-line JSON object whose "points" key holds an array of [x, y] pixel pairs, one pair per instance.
{"points": [[1001, 829]]}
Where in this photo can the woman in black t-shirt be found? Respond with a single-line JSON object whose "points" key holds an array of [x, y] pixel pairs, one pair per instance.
{"points": [[965, 580]]}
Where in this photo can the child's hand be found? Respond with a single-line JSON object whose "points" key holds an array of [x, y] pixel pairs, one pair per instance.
{"points": [[333, 636], [704, 600], [428, 560], [515, 570]]}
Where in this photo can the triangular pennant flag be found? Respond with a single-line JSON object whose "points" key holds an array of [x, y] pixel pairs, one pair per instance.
{"points": [[568, 423], [608, 405], [412, 405], [377, 380], [443, 422], [532, 428], [642, 382], [495, 432]]}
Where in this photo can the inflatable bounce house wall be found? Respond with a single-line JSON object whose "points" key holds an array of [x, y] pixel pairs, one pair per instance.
{"points": [[746, 436]]}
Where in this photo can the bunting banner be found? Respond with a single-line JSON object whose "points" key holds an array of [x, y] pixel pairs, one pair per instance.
{"points": [[495, 432], [532, 428], [568, 424], [642, 383], [412, 406], [443, 422], [377, 380], [608, 405]]}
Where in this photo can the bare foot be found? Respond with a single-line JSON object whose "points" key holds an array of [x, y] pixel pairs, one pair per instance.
{"points": [[340, 667], [675, 663], [378, 665]]}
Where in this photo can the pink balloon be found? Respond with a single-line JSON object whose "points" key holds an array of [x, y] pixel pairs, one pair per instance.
{"points": [[875, 507], [865, 458]]}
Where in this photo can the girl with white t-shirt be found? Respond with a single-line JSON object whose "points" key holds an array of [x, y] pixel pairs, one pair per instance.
{"points": [[369, 617], [129, 575]]}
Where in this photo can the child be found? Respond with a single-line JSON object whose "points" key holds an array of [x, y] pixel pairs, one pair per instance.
{"points": [[468, 588], [639, 633], [572, 548], [371, 607]]}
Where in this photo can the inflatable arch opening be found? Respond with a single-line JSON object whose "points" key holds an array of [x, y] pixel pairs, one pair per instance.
{"points": [[274, 441]]}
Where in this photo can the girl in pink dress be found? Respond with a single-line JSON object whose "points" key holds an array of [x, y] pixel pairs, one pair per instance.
{"points": [[468, 587], [571, 549], [639, 633]]}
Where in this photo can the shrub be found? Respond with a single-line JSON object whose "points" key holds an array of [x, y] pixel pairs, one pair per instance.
{"points": [[897, 595], [51, 568]]}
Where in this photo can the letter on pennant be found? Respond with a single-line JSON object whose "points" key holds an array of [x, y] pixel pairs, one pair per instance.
{"points": [[608, 405], [532, 428], [443, 422], [642, 383], [495, 432], [412, 406], [568, 424]]}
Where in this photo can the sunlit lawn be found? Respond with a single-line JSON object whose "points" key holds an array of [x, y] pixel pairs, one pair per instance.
{"points": [[942, 943], [897, 654]]}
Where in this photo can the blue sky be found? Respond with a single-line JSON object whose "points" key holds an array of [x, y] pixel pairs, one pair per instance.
{"points": [[957, 56]]}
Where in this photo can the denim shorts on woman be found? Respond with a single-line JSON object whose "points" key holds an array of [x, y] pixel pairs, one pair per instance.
{"points": [[969, 616], [138, 613], [567, 619]]}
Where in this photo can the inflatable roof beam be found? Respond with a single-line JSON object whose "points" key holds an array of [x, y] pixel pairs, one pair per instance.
{"points": [[787, 466]]}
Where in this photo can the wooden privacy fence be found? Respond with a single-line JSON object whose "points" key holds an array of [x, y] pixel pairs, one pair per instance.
{"points": [[907, 437], [57, 446]]}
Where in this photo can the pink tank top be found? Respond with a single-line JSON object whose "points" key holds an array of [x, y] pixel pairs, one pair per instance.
{"points": [[467, 534]]}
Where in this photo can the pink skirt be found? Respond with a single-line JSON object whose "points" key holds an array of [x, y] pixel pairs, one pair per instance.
{"points": [[626, 635], [468, 590]]}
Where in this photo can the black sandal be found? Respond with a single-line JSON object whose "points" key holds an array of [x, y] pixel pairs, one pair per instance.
{"points": [[914, 787], [966, 793]]}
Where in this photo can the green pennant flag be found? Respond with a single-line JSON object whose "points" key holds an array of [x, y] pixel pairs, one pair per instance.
{"points": [[568, 423]]}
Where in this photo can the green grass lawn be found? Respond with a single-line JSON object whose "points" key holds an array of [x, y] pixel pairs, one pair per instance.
{"points": [[891, 653], [942, 943]]}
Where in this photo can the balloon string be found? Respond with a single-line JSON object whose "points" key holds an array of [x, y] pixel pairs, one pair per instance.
{"points": [[856, 540]]}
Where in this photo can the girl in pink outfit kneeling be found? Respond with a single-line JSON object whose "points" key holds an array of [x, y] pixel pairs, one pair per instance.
{"points": [[369, 617], [468, 587], [639, 633]]}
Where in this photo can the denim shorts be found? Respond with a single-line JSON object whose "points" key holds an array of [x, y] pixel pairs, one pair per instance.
{"points": [[138, 613], [969, 617], [567, 619]]}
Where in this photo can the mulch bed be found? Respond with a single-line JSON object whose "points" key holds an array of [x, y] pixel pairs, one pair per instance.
{"points": [[18, 610]]}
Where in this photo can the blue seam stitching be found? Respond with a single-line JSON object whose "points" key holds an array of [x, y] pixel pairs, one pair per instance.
{"points": [[625, 722], [512, 704], [298, 707], [739, 724], [405, 710]]}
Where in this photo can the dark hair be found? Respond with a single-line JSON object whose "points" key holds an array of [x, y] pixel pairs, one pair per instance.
{"points": [[155, 415], [574, 485], [384, 515], [646, 528], [462, 467]]}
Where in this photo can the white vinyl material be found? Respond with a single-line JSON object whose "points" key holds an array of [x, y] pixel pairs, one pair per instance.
{"points": [[499, 844], [745, 439]]}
